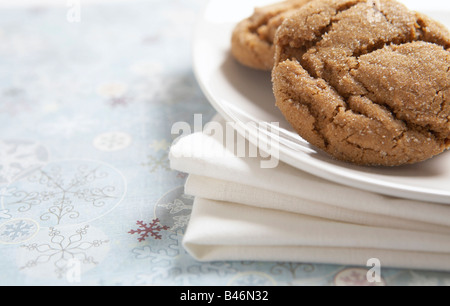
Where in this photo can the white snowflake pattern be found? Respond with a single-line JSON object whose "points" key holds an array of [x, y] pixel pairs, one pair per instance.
{"points": [[18, 157], [177, 206], [51, 255], [180, 222], [67, 191], [112, 141], [174, 209]]}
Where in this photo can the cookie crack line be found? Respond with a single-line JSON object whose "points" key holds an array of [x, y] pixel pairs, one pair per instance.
{"points": [[363, 149], [347, 107], [378, 45], [371, 96], [389, 108], [326, 29]]}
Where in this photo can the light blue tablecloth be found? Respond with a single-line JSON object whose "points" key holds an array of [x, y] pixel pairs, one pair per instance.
{"points": [[87, 195]]}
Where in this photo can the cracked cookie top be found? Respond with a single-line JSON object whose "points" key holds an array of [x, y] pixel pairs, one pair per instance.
{"points": [[366, 81], [252, 39]]}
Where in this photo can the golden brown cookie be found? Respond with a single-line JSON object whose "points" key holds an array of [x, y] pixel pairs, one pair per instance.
{"points": [[252, 39], [367, 83]]}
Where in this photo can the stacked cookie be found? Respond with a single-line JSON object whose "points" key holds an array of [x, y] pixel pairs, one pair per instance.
{"points": [[368, 82]]}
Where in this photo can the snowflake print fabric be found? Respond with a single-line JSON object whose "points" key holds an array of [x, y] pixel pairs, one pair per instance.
{"points": [[87, 194]]}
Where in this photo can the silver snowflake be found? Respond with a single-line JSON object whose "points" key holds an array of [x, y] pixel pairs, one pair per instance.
{"points": [[60, 193], [62, 249], [180, 222], [177, 206]]}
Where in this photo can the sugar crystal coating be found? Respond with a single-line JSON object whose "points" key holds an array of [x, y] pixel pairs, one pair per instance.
{"points": [[252, 39], [369, 85]]}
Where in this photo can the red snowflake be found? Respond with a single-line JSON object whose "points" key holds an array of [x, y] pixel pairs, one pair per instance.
{"points": [[120, 101], [153, 229]]}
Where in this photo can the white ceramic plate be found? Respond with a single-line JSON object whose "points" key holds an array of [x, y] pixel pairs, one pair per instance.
{"points": [[243, 95]]}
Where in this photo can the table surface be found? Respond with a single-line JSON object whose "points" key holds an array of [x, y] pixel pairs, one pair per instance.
{"points": [[87, 196]]}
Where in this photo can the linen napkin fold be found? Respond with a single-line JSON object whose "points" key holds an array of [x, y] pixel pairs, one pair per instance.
{"points": [[244, 212]]}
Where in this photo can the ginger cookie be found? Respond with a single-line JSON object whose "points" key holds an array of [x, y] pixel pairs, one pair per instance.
{"points": [[368, 82], [252, 39]]}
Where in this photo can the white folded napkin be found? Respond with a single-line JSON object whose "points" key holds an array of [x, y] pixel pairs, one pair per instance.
{"points": [[244, 212]]}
